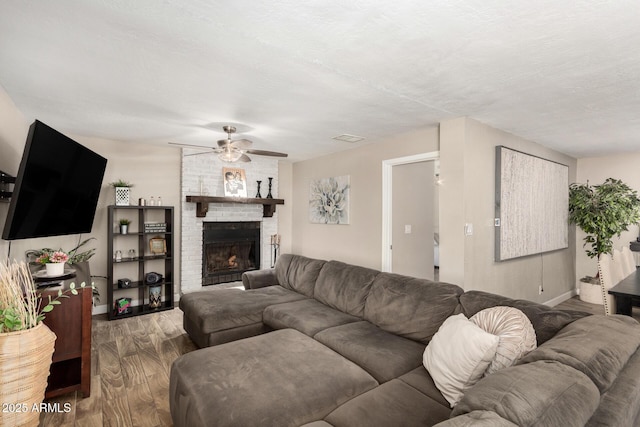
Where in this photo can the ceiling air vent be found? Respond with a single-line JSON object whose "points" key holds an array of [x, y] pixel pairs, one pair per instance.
{"points": [[348, 138]]}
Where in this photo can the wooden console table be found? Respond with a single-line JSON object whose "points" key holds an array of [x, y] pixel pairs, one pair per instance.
{"points": [[71, 364], [202, 204]]}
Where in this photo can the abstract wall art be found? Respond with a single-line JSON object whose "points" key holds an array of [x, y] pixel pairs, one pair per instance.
{"points": [[532, 205], [329, 200]]}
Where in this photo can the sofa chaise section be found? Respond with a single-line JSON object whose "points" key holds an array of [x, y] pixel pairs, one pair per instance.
{"points": [[283, 378], [219, 316]]}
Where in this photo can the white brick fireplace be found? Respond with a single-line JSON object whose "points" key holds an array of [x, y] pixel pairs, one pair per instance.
{"points": [[202, 175]]}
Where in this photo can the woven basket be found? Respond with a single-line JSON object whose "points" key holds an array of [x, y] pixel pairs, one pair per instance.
{"points": [[25, 359]]}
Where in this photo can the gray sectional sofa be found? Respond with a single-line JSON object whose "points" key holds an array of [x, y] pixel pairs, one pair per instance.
{"points": [[323, 343]]}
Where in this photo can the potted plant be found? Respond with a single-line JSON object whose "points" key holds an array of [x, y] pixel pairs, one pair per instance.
{"points": [[122, 191], [79, 260], [26, 344], [54, 262], [602, 211], [124, 226]]}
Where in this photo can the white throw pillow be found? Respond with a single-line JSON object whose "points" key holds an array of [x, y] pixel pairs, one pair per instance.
{"points": [[516, 333], [457, 356]]}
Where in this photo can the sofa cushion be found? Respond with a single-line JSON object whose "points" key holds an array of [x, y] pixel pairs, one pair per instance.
{"points": [[392, 404], [513, 328], [298, 273], [598, 346], [420, 379], [221, 309], [307, 316], [546, 321], [344, 287], [283, 378], [409, 307], [543, 393], [458, 355], [383, 355], [620, 404]]}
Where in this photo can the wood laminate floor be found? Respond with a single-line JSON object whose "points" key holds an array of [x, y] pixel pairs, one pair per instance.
{"points": [[130, 363]]}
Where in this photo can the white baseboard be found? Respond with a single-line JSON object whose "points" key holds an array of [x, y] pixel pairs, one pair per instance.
{"points": [[560, 298]]}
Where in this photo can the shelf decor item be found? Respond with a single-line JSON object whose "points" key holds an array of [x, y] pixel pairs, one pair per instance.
{"points": [[123, 306], [158, 246], [258, 195], [155, 296], [269, 195], [235, 182], [122, 192], [124, 226]]}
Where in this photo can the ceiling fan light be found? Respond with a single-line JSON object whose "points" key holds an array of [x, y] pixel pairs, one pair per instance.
{"points": [[230, 156]]}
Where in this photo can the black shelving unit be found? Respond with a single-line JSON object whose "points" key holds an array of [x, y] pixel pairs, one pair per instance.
{"points": [[143, 262]]}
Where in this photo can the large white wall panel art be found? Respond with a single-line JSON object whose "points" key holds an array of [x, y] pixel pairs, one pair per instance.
{"points": [[532, 205]]}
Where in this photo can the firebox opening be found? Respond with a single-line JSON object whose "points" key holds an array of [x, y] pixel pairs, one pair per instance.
{"points": [[229, 249]]}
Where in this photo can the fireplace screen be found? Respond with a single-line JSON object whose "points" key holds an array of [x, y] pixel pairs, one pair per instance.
{"points": [[228, 250]]}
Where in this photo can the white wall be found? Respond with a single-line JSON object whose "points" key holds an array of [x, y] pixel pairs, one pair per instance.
{"points": [[360, 241], [595, 170], [467, 195]]}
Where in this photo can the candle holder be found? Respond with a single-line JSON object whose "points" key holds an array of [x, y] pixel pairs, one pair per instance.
{"points": [[258, 195], [269, 196]]}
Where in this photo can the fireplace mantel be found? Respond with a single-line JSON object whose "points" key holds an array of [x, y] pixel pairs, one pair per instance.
{"points": [[202, 204]]}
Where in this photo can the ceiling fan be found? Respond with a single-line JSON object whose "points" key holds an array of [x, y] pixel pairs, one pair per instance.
{"points": [[232, 151]]}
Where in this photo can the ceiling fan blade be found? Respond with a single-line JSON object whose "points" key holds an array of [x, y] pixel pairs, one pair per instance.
{"points": [[266, 153], [197, 154], [223, 142], [244, 159], [189, 145], [241, 144]]}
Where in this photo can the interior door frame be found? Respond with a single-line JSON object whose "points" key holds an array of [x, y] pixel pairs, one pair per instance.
{"points": [[387, 197]]}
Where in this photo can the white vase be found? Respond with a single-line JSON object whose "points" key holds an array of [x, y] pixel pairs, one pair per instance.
{"points": [[55, 269]]}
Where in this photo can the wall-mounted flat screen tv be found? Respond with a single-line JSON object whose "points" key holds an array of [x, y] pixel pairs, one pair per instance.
{"points": [[57, 187]]}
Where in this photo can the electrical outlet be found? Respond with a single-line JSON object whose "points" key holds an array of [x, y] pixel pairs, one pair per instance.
{"points": [[540, 290]]}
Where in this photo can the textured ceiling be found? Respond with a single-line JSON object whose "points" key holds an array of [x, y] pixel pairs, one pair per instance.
{"points": [[565, 74]]}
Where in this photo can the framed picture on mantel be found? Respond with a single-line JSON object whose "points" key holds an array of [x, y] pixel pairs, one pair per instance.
{"points": [[235, 182]]}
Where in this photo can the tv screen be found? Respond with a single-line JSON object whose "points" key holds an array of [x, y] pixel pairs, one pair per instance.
{"points": [[57, 187]]}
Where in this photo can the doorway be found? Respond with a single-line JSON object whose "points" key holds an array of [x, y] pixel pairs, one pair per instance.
{"points": [[410, 241]]}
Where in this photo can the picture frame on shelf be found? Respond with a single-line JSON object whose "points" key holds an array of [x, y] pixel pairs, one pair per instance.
{"points": [[158, 246], [234, 182], [155, 296]]}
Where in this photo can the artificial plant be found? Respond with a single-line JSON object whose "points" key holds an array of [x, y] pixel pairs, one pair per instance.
{"points": [[603, 211]]}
